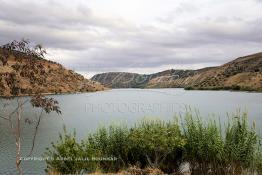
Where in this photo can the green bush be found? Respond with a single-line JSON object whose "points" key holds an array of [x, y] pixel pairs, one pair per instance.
{"points": [[154, 142], [111, 142], [67, 155], [147, 143]]}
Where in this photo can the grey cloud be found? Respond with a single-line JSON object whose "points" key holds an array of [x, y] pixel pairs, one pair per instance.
{"points": [[56, 26], [244, 31], [55, 15]]}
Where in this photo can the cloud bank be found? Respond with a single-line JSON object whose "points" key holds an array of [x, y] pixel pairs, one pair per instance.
{"points": [[140, 35]]}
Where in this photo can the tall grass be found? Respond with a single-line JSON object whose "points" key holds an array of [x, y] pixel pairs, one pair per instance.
{"points": [[240, 145], [205, 147], [208, 147]]}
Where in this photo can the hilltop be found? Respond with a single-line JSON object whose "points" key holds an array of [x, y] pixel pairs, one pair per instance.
{"points": [[30, 76], [243, 73]]}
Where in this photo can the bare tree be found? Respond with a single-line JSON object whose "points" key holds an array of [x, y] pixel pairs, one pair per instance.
{"points": [[22, 50]]}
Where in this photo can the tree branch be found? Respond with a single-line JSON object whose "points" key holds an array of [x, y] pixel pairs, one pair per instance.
{"points": [[5, 118], [35, 133], [20, 105]]}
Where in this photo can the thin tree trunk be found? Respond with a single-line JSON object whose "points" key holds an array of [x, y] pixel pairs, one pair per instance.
{"points": [[18, 138]]}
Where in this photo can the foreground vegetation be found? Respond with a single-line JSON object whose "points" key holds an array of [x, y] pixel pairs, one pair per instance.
{"points": [[208, 147]]}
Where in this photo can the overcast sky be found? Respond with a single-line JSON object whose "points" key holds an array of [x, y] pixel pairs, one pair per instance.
{"points": [[144, 36]]}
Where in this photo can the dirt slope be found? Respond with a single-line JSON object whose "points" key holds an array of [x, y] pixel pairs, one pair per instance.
{"points": [[30, 76]]}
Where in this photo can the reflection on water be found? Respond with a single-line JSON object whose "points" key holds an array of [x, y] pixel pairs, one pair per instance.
{"points": [[85, 112]]}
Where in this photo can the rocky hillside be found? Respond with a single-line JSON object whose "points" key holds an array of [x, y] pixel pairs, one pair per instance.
{"points": [[244, 73], [121, 79], [134, 80], [30, 76]]}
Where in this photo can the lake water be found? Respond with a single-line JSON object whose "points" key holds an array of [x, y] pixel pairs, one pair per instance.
{"points": [[86, 112]]}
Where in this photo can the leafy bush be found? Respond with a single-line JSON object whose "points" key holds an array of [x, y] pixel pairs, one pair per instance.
{"points": [[68, 156], [155, 142], [148, 143], [111, 142]]}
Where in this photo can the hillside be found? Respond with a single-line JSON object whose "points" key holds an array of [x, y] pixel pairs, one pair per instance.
{"points": [[121, 79], [244, 73], [134, 80], [30, 76]]}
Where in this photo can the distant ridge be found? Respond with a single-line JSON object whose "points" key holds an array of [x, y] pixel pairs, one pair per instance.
{"points": [[243, 73]]}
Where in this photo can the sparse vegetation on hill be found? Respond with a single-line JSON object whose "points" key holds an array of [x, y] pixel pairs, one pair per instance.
{"points": [[244, 73], [24, 70]]}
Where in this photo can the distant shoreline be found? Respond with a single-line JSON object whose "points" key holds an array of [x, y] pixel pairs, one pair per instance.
{"points": [[70, 93], [62, 93]]}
